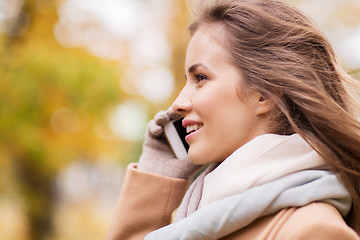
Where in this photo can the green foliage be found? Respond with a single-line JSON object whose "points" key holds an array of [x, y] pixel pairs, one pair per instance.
{"points": [[38, 82], [51, 98]]}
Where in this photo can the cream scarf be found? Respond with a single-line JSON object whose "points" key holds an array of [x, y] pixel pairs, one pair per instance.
{"points": [[263, 159], [268, 174], [225, 216]]}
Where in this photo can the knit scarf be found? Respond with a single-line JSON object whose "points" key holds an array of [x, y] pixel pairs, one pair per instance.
{"points": [[269, 173], [225, 216], [263, 159]]}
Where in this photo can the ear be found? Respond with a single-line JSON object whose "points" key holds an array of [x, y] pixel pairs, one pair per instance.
{"points": [[263, 104]]}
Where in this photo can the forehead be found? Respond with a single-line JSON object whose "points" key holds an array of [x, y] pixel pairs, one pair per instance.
{"points": [[208, 41]]}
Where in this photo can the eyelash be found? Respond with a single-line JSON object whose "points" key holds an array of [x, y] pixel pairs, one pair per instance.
{"points": [[200, 77]]}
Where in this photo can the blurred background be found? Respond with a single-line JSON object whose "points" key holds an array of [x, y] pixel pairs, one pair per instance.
{"points": [[78, 82]]}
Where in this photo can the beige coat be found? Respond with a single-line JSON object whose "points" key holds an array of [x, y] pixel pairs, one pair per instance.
{"points": [[147, 202]]}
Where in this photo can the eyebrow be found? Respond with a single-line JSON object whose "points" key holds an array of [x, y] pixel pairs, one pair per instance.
{"points": [[196, 65]]}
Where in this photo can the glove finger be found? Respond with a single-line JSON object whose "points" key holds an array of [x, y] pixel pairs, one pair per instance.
{"points": [[173, 115], [161, 118], [154, 129]]}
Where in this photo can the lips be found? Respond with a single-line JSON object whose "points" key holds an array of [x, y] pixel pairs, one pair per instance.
{"points": [[192, 127]]}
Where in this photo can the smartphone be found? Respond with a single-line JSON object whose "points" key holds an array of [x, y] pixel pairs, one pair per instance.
{"points": [[175, 134]]}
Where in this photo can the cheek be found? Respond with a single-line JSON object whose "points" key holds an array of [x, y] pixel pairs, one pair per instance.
{"points": [[203, 102], [214, 100]]}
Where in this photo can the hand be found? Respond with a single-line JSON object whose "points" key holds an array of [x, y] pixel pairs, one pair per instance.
{"points": [[157, 156]]}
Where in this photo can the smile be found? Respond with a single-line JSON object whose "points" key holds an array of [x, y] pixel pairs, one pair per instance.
{"points": [[192, 128]]}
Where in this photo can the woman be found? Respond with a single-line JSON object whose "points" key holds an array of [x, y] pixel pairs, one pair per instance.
{"points": [[267, 109]]}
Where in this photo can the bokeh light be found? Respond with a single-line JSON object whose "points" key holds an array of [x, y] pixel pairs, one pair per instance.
{"points": [[128, 120]]}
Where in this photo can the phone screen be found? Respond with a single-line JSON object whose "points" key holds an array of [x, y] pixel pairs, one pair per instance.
{"points": [[182, 132]]}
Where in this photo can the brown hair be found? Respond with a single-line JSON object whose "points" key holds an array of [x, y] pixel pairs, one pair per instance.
{"points": [[285, 57]]}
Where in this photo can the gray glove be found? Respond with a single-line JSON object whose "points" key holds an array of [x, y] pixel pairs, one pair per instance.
{"points": [[157, 156]]}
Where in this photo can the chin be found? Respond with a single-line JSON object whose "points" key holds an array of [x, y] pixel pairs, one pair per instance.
{"points": [[200, 159], [195, 158]]}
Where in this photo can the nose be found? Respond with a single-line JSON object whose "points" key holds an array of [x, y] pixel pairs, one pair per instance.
{"points": [[182, 103]]}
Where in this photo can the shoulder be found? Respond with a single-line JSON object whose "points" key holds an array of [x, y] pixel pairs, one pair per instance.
{"points": [[314, 221], [320, 221]]}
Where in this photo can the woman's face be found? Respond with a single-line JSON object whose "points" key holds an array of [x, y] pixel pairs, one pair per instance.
{"points": [[219, 113]]}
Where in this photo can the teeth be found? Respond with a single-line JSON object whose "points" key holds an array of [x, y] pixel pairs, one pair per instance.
{"points": [[192, 128]]}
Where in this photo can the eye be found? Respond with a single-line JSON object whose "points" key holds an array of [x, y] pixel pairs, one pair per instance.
{"points": [[200, 77]]}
